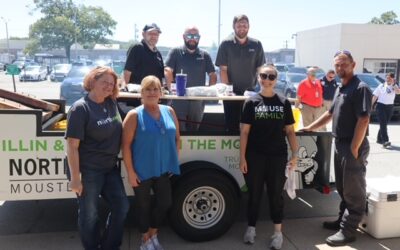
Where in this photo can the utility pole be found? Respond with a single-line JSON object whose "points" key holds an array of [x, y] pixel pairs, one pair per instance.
{"points": [[136, 35], [76, 50], [8, 41], [219, 22], [286, 44]]}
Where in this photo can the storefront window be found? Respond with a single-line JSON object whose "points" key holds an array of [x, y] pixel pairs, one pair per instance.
{"points": [[379, 66]]}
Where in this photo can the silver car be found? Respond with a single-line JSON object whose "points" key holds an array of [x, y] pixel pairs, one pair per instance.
{"points": [[33, 73], [59, 72]]}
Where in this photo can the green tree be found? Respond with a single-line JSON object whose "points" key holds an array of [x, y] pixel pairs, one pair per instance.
{"points": [[388, 17], [32, 47], [63, 23]]}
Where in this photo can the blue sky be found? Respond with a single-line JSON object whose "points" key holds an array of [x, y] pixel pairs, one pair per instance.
{"points": [[271, 21]]}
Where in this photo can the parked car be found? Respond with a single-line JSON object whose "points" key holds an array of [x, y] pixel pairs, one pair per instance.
{"points": [[303, 70], [373, 81], [284, 86], [118, 67], [281, 67], [82, 62], [60, 71], [33, 73], [71, 88], [292, 81]]}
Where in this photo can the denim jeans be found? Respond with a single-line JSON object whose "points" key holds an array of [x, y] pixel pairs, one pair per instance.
{"points": [[108, 184]]}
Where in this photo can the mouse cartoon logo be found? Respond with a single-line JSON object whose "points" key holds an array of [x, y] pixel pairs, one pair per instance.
{"points": [[307, 166]]}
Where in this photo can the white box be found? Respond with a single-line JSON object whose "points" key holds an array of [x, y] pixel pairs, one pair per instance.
{"points": [[382, 219]]}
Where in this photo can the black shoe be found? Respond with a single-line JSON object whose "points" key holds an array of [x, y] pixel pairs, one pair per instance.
{"points": [[339, 239], [331, 225], [387, 144]]}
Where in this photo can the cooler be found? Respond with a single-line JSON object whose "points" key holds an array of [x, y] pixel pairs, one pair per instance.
{"points": [[382, 219]]}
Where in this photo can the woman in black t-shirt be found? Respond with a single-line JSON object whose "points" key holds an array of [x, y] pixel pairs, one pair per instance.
{"points": [[267, 120]]}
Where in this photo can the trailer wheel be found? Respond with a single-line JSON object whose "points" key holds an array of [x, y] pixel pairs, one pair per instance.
{"points": [[204, 206]]}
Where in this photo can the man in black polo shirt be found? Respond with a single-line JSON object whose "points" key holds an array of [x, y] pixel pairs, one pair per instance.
{"points": [[196, 63], [239, 57], [329, 86], [350, 112], [143, 58]]}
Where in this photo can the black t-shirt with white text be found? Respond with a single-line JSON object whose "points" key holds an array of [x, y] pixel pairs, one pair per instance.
{"points": [[268, 117], [99, 129]]}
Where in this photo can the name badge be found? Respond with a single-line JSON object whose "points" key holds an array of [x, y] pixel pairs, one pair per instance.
{"points": [[316, 94]]}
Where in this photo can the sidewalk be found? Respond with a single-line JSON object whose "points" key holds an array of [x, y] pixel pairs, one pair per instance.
{"points": [[300, 234]]}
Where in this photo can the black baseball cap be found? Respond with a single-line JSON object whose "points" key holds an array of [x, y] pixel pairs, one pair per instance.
{"points": [[150, 27]]}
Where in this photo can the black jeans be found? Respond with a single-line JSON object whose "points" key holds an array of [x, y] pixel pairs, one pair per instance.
{"points": [[263, 169], [384, 115], [152, 215], [350, 183], [232, 111]]}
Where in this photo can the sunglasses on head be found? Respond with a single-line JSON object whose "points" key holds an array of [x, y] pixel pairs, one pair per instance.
{"points": [[346, 52], [270, 77], [192, 36]]}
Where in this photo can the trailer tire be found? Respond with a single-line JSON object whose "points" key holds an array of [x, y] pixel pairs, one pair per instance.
{"points": [[204, 206]]}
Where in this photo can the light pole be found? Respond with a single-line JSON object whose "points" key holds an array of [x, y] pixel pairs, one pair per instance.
{"points": [[219, 21], [8, 41]]}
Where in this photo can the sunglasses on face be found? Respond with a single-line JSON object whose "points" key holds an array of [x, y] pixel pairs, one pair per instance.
{"points": [[270, 77], [192, 36]]}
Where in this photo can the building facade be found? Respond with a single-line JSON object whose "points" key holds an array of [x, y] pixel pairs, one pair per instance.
{"points": [[375, 48]]}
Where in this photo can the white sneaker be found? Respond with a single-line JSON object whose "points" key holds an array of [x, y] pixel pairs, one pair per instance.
{"points": [[148, 245], [156, 243], [249, 235], [276, 240]]}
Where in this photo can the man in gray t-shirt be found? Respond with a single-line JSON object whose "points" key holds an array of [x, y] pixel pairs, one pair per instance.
{"points": [[196, 63], [239, 58]]}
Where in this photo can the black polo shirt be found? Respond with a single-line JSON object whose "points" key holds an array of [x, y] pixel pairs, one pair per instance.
{"points": [[142, 61], [242, 61], [350, 102], [195, 65], [328, 88]]}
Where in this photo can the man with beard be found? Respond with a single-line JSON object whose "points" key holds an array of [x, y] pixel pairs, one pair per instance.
{"points": [[350, 112], [196, 63], [239, 58], [143, 58]]}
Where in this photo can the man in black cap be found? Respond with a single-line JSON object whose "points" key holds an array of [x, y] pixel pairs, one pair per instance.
{"points": [[143, 58]]}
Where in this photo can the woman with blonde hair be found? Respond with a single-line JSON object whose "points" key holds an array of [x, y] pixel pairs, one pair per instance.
{"points": [[93, 142], [150, 145]]}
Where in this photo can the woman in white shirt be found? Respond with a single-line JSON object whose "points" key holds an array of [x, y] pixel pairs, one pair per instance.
{"points": [[384, 95]]}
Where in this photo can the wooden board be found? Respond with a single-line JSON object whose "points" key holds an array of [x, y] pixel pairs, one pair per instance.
{"points": [[7, 104], [29, 101]]}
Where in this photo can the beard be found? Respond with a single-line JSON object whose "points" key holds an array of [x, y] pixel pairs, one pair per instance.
{"points": [[191, 46], [241, 35]]}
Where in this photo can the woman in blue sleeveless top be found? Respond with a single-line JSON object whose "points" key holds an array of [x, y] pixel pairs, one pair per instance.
{"points": [[150, 144]]}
